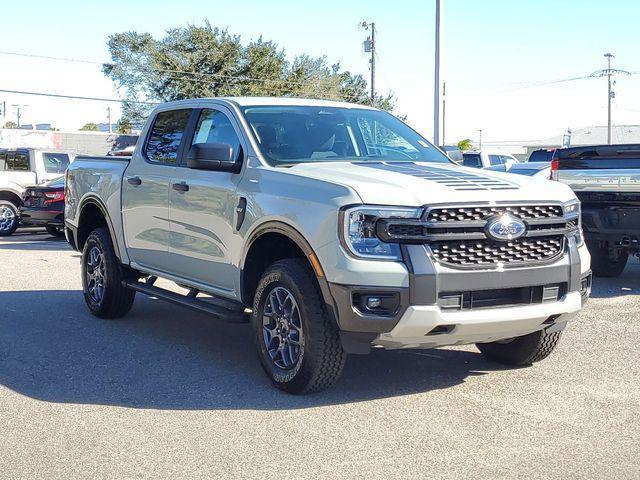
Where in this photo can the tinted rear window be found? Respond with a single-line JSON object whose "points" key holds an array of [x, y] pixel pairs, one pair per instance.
{"points": [[472, 160], [541, 156]]}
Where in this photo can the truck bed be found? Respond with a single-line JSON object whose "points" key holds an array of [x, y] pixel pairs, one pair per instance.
{"points": [[98, 178]]}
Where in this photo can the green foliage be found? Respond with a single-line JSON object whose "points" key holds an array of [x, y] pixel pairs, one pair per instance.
{"points": [[10, 124], [123, 126], [204, 61], [465, 144], [89, 127]]}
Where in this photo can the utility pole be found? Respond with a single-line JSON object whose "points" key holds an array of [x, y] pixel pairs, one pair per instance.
{"points": [[18, 114], [609, 72], [610, 95], [370, 47], [480, 143], [109, 119], [436, 79]]}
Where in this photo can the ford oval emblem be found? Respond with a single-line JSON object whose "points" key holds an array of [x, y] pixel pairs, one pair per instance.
{"points": [[505, 227]]}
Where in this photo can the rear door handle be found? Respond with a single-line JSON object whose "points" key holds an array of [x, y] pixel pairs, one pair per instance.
{"points": [[180, 187], [134, 181]]}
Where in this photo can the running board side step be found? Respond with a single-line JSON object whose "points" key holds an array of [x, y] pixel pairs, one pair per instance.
{"points": [[227, 310]]}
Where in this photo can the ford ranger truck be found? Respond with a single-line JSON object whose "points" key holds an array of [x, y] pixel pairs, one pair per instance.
{"points": [[332, 228], [606, 179]]}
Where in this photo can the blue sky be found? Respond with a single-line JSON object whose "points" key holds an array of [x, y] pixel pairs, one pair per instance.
{"points": [[494, 50]]}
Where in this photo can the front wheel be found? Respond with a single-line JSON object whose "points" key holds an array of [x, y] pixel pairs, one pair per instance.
{"points": [[102, 277], [9, 218], [521, 351], [298, 344]]}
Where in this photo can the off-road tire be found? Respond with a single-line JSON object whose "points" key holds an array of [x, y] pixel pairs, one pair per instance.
{"points": [[602, 265], [14, 208], [521, 351], [116, 300], [54, 231], [322, 357]]}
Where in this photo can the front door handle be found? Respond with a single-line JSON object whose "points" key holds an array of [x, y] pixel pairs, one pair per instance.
{"points": [[134, 181], [180, 187]]}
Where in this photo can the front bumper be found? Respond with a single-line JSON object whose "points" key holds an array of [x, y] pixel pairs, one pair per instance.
{"points": [[423, 320], [428, 326]]}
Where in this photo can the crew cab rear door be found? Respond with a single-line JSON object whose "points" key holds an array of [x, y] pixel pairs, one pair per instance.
{"points": [[18, 167], [145, 191], [202, 206]]}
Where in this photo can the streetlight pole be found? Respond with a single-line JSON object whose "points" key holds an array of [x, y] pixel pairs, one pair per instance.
{"points": [[436, 77]]}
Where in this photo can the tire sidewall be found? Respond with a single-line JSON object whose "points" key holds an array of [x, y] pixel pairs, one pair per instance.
{"points": [[272, 280], [16, 212], [95, 240]]}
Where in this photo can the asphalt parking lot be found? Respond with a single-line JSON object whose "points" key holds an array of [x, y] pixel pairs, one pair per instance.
{"points": [[167, 393]]}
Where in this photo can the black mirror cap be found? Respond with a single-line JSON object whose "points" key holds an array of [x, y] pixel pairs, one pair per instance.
{"points": [[215, 156]]}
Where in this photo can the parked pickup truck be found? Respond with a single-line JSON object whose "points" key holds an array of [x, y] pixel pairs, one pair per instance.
{"points": [[19, 169], [606, 179], [332, 228]]}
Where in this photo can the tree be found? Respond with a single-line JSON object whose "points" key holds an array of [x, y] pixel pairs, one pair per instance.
{"points": [[89, 127], [123, 126], [10, 124], [465, 144], [204, 61]]}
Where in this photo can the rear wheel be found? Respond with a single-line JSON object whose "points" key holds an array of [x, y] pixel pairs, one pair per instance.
{"points": [[9, 218], [54, 231], [521, 351], [298, 344], [102, 277], [606, 262]]}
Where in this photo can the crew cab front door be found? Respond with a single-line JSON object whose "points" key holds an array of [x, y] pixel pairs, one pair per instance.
{"points": [[202, 206], [145, 191]]}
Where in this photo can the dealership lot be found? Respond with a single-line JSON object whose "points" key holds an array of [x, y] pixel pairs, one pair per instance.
{"points": [[167, 393]]}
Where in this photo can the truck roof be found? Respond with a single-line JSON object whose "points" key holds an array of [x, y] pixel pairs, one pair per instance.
{"points": [[277, 101]]}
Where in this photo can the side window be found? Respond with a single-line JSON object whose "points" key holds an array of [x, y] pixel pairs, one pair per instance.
{"points": [[215, 127], [166, 134], [17, 162], [495, 160], [55, 162]]}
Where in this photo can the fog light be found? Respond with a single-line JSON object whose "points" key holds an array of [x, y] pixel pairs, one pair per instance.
{"points": [[373, 302]]}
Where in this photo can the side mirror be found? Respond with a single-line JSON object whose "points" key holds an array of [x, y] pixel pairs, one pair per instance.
{"points": [[214, 156]]}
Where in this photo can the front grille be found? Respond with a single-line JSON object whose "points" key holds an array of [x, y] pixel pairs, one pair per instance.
{"points": [[525, 212], [464, 253]]}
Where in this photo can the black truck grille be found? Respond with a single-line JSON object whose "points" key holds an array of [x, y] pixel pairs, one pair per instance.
{"points": [[457, 235], [525, 212], [463, 253]]}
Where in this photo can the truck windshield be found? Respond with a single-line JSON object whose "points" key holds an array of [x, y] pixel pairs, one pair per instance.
{"points": [[299, 134]]}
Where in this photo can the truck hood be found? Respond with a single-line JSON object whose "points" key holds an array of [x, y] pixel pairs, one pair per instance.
{"points": [[420, 183]]}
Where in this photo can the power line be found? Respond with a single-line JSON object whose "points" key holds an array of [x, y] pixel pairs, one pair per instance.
{"points": [[75, 97]]}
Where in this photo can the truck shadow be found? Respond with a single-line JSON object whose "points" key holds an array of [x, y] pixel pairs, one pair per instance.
{"points": [[30, 240], [626, 284], [164, 357]]}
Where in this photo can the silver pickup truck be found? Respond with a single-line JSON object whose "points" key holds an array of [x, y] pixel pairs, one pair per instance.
{"points": [[331, 227], [606, 179]]}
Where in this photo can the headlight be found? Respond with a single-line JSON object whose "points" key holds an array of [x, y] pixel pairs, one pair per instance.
{"points": [[572, 212], [358, 231]]}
